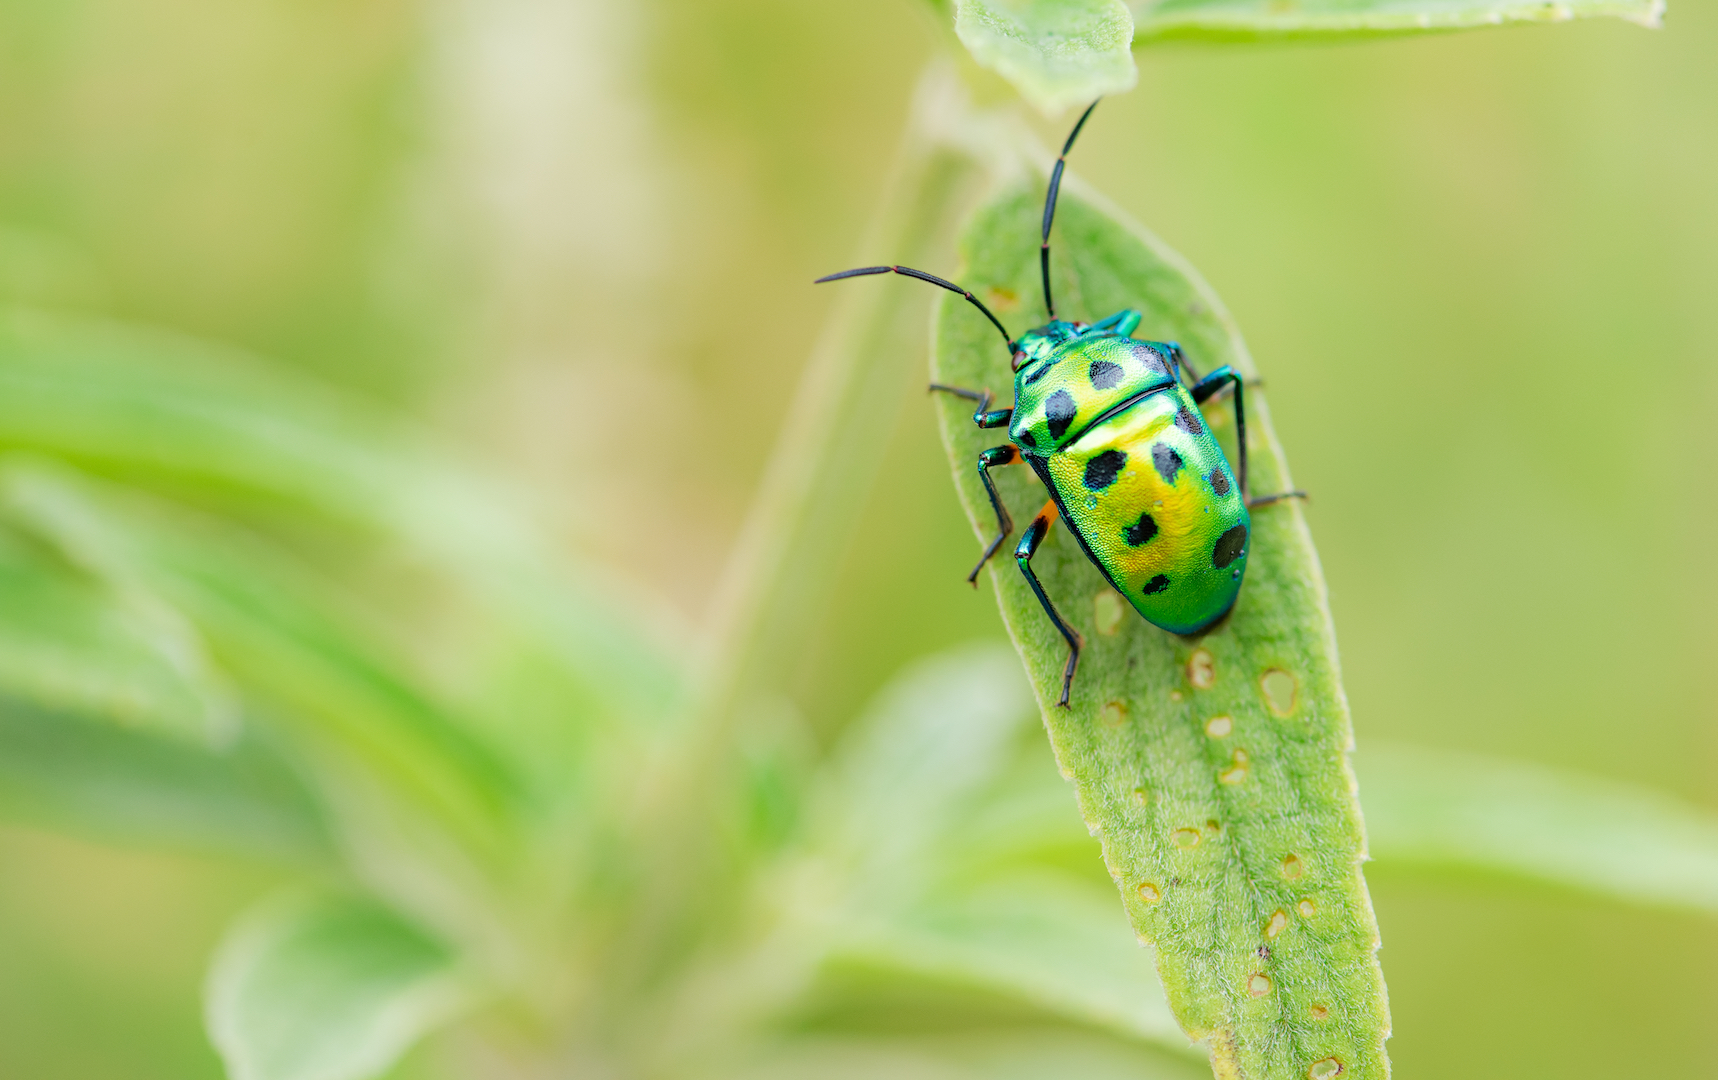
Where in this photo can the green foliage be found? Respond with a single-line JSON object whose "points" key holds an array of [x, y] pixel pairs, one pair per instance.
{"points": [[1225, 802], [1057, 53], [1062, 53], [326, 988], [242, 612]]}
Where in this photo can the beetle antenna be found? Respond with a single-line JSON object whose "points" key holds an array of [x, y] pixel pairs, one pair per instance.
{"points": [[908, 271], [1050, 206]]}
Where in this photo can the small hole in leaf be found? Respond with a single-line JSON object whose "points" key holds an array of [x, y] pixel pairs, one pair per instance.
{"points": [[1148, 892], [1324, 1070], [1279, 688], [1293, 867], [1202, 669], [1107, 612], [1218, 727]]}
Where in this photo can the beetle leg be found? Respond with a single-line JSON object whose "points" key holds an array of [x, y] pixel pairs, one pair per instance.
{"points": [[1035, 534], [984, 416], [1006, 454], [1122, 323], [1203, 391]]}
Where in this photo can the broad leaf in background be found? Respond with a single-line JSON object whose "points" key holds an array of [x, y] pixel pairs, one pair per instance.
{"points": [[901, 836], [87, 775], [1271, 18], [1215, 769], [326, 987], [1460, 811], [1064, 53], [1057, 53]]}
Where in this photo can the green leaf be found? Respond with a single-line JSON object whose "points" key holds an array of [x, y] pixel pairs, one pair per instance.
{"points": [[1057, 53], [69, 641], [1044, 937], [1457, 811], [219, 428], [1237, 852], [86, 774], [1278, 18], [906, 796], [323, 987]]}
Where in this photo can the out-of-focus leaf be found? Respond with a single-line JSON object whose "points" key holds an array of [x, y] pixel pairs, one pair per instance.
{"points": [[87, 775], [1237, 846], [906, 793], [1278, 18], [283, 636], [1046, 938], [327, 988], [934, 736], [67, 641], [1457, 811], [215, 425], [1057, 53]]}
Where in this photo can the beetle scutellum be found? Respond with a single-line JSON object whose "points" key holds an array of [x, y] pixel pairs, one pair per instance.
{"points": [[1115, 434]]}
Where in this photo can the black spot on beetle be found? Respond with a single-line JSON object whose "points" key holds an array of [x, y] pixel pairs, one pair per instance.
{"points": [[1140, 531], [1230, 546], [1102, 470], [1188, 422], [1105, 375], [1154, 362], [1219, 481], [1027, 439], [1060, 410], [1155, 585], [1168, 462]]}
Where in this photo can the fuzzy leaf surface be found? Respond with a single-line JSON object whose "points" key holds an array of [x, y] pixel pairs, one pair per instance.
{"points": [[1057, 53], [1277, 18], [1238, 856]]}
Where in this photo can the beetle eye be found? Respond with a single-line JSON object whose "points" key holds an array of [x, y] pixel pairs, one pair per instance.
{"points": [[1019, 358]]}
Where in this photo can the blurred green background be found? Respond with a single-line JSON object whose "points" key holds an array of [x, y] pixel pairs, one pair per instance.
{"points": [[1479, 272]]}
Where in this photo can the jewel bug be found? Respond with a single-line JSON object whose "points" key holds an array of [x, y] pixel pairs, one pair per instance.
{"points": [[1111, 425]]}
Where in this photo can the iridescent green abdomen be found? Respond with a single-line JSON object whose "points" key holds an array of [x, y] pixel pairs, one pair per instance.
{"points": [[1153, 502]]}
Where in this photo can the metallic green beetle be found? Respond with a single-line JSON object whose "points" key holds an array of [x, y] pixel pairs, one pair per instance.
{"points": [[1109, 426]]}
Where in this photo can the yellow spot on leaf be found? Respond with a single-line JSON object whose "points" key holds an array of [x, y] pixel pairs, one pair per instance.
{"points": [[1202, 669], [1185, 838], [1237, 770], [1259, 985], [1141, 796], [1324, 1070], [1218, 727], [1113, 714], [1319, 1012], [1148, 892], [1307, 909], [1279, 920], [1293, 867], [1280, 691]]}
